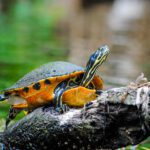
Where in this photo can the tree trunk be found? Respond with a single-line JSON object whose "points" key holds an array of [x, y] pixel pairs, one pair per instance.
{"points": [[119, 117]]}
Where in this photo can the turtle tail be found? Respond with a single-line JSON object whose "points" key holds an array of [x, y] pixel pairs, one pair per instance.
{"points": [[2, 97]]}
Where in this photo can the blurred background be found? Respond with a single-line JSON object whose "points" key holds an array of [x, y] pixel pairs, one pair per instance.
{"points": [[34, 32]]}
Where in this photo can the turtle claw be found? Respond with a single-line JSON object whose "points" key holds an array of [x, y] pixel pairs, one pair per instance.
{"points": [[48, 108], [59, 110], [64, 108]]}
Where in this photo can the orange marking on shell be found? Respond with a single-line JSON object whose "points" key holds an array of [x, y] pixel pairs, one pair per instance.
{"points": [[45, 94]]}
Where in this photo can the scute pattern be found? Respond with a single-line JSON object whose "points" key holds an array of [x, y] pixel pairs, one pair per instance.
{"points": [[51, 69]]}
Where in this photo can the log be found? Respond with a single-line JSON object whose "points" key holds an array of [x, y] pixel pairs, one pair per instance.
{"points": [[117, 118]]}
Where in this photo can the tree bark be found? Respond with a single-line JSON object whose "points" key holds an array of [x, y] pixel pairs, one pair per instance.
{"points": [[119, 117]]}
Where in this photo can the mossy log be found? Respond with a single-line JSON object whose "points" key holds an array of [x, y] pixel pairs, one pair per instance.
{"points": [[119, 117]]}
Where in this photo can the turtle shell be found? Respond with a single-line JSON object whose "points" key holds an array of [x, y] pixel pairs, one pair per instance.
{"points": [[37, 87], [52, 69]]}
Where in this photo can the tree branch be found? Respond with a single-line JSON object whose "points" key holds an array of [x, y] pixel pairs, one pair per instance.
{"points": [[119, 117]]}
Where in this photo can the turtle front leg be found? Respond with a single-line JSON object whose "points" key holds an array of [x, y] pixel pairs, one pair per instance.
{"points": [[63, 108], [59, 106]]}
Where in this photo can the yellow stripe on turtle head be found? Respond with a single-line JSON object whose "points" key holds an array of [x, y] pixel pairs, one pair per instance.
{"points": [[94, 62]]}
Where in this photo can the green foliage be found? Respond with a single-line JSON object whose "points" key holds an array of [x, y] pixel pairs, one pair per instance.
{"points": [[28, 39]]}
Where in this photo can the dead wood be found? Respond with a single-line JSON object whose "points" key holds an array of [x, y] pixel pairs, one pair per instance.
{"points": [[119, 117]]}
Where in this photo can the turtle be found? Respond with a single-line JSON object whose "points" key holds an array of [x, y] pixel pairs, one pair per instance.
{"points": [[58, 84]]}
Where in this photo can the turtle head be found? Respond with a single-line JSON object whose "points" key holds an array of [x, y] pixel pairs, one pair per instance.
{"points": [[95, 60]]}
